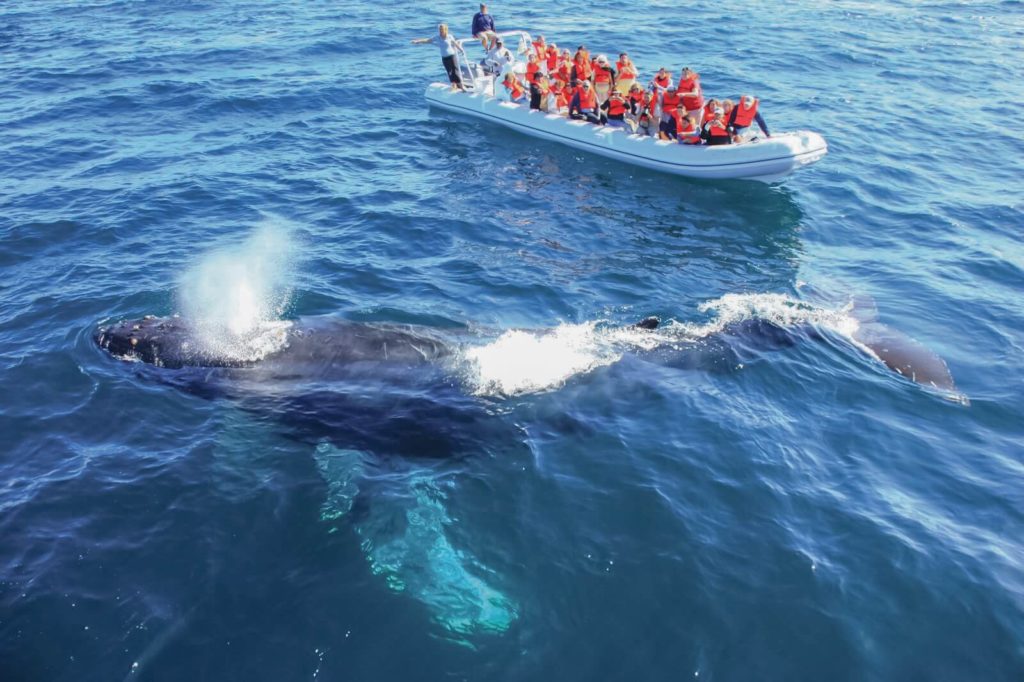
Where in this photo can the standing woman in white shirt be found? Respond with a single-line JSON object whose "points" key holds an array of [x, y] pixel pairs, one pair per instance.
{"points": [[450, 48]]}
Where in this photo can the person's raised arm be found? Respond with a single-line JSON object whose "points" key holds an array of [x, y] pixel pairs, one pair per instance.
{"points": [[760, 122]]}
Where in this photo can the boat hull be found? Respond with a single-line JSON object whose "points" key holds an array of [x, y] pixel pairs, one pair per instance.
{"points": [[766, 160]]}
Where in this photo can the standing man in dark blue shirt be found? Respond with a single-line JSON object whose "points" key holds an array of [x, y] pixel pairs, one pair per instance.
{"points": [[483, 27]]}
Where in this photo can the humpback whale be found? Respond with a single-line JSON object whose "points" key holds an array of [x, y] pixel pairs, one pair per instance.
{"points": [[327, 348], [369, 394]]}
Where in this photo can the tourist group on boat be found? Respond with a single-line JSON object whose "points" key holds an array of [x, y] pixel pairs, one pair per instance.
{"points": [[581, 87]]}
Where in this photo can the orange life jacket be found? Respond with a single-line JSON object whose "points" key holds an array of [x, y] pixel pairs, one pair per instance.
{"points": [[540, 48], [709, 111], [744, 116], [531, 72], [616, 106], [650, 103], [602, 74], [552, 59], [561, 100], [637, 98], [626, 72], [564, 72], [583, 69], [670, 102], [687, 132], [513, 86], [716, 128], [691, 102], [588, 99]]}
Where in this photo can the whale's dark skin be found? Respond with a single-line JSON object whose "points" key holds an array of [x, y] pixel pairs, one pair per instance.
{"points": [[386, 388], [335, 376], [320, 343]]}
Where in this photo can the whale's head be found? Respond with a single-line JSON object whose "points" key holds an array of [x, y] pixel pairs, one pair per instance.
{"points": [[161, 341]]}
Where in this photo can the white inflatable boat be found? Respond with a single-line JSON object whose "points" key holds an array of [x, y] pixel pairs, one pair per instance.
{"points": [[765, 159]]}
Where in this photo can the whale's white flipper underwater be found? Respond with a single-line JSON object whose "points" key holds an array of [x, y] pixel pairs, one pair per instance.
{"points": [[405, 542]]}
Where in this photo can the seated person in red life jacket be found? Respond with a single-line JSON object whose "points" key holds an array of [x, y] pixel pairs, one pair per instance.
{"points": [[584, 104], [727, 107], [741, 117], [644, 112], [540, 48], [516, 91], [691, 94], [635, 99], [581, 69], [539, 90], [604, 78], [564, 70], [709, 109], [551, 58], [645, 127], [688, 132], [616, 106], [715, 131], [661, 81], [670, 103], [558, 100], [532, 68]]}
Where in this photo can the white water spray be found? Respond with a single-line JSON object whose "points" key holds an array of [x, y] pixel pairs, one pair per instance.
{"points": [[235, 296], [522, 361]]}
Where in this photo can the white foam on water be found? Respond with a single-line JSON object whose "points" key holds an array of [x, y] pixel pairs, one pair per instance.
{"points": [[523, 361], [235, 296], [779, 309]]}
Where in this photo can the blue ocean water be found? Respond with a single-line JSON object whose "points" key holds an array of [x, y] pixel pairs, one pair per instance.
{"points": [[723, 510]]}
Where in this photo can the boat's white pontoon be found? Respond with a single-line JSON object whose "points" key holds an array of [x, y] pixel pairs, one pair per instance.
{"points": [[765, 159]]}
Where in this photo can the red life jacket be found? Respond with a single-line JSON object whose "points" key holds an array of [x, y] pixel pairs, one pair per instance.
{"points": [[662, 81], [616, 106], [709, 111], [540, 48], [650, 102], [513, 86], [626, 72], [687, 132], [588, 99], [691, 102], [602, 74], [564, 72], [637, 98], [560, 98], [670, 102], [552, 59], [716, 128], [744, 116], [582, 69], [531, 72]]}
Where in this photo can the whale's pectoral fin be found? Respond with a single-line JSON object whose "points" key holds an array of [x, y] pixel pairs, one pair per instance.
{"points": [[405, 541]]}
